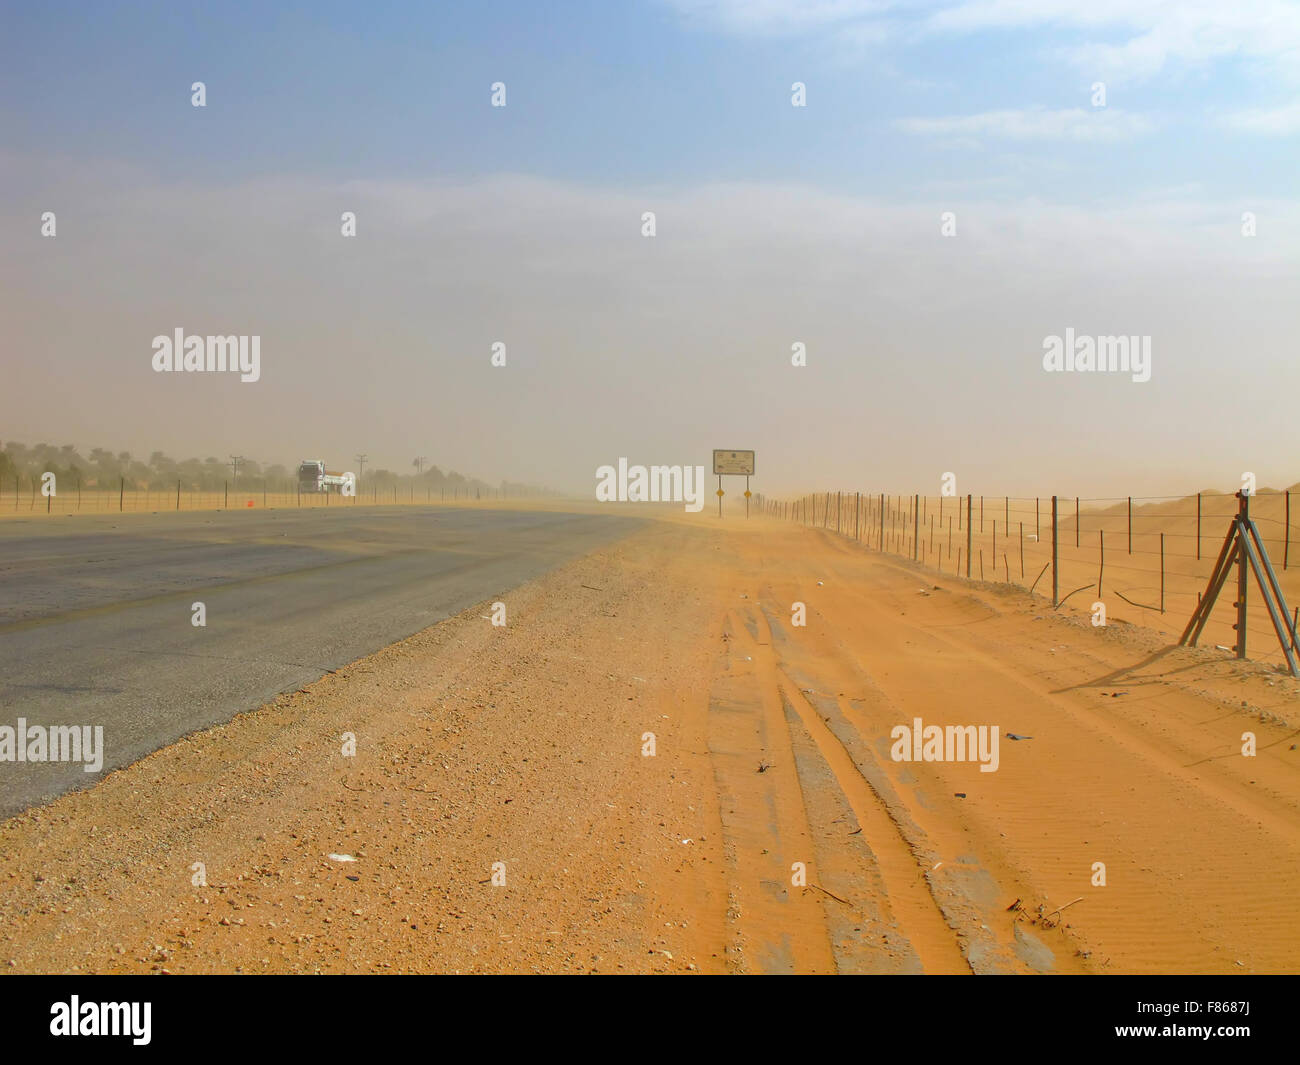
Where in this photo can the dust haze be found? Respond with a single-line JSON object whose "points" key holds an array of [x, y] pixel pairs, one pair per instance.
{"points": [[923, 352]]}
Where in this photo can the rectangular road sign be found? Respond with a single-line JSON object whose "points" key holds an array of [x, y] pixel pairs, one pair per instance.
{"points": [[734, 462]]}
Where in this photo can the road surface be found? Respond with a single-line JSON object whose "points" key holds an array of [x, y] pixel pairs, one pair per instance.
{"points": [[96, 612]]}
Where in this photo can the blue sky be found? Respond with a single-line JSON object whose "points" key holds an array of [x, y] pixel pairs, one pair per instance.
{"points": [[776, 224], [646, 92]]}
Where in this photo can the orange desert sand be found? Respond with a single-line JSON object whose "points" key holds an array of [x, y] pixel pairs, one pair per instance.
{"points": [[523, 745]]}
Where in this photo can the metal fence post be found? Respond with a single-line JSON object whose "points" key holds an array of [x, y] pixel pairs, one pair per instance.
{"points": [[1243, 526], [1101, 568], [968, 534], [1056, 586]]}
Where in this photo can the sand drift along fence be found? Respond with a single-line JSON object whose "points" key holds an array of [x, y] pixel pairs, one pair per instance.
{"points": [[1145, 559]]}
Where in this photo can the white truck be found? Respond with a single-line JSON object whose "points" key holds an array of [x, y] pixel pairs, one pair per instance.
{"points": [[314, 477]]}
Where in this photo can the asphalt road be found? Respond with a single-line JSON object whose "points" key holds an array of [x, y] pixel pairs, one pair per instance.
{"points": [[95, 612]]}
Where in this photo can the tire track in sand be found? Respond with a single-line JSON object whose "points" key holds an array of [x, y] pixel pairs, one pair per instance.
{"points": [[902, 919]]}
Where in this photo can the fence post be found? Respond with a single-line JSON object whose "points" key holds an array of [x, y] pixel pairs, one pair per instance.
{"points": [[1243, 526], [1076, 521], [1130, 525], [1056, 584], [1286, 531], [1101, 545], [916, 511], [1198, 526], [881, 545], [857, 519], [178, 493], [1162, 573], [968, 535], [121, 493]]}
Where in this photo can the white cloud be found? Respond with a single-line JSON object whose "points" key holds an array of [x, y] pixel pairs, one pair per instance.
{"points": [[1268, 122], [1115, 39], [778, 16], [1035, 123], [1159, 32]]}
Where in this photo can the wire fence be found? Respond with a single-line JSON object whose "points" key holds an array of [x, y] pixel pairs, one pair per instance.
{"points": [[1148, 559], [25, 497]]}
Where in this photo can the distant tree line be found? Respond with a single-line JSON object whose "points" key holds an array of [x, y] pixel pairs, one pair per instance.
{"points": [[102, 469]]}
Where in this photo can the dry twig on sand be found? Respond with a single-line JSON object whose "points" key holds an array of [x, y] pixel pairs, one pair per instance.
{"points": [[830, 893]]}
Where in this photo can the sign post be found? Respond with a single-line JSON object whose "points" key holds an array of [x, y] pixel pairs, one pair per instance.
{"points": [[733, 463]]}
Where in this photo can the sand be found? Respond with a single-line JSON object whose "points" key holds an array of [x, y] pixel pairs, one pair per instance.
{"points": [[771, 830]]}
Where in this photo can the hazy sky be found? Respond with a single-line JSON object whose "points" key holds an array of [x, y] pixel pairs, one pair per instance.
{"points": [[775, 224]]}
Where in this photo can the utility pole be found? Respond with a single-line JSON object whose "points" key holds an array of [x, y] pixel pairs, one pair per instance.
{"points": [[361, 465], [418, 463], [235, 460]]}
